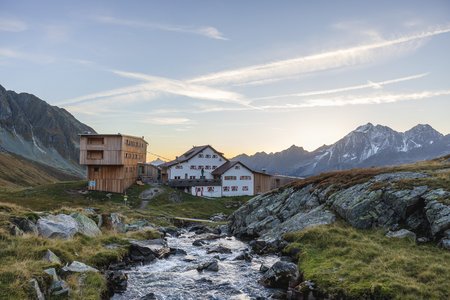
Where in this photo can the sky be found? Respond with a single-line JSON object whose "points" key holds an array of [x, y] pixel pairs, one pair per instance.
{"points": [[243, 76]]}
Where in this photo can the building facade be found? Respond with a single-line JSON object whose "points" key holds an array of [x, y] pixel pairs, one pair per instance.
{"points": [[204, 171], [112, 160]]}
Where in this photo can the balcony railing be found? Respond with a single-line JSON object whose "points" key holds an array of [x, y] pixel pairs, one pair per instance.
{"points": [[194, 182]]}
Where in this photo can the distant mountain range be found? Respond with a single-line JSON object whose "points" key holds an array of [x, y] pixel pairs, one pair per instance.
{"points": [[366, 146], [37, 131]]}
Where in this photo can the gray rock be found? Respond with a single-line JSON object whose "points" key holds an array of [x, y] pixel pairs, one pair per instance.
{"points": [[219, 249], [392, 177], [402, 234], [281, 275], [59, 226], [445, 243], [148, 250], [438, 214], [189, 258], [423, 240], [212, 266], [117, 281], [78, 267], [26, 225], [15, 231], [86, 226], [51, 257], [52, 273], [37, 293]]}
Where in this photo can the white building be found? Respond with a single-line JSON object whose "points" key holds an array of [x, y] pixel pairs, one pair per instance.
{"points": [[203, 171]]}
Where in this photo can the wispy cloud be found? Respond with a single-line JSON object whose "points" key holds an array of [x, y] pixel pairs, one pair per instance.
{"points": [[168, 121], [359, 100], [313, 63], [12, 25], [8, 53], [207, 31], [369, 84]]}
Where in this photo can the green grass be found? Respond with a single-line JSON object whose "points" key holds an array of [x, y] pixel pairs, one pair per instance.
{"points": [[344, 261]]}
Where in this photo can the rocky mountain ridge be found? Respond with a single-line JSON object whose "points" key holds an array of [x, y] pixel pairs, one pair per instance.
{"points": [[368, 145], [33, 129]]}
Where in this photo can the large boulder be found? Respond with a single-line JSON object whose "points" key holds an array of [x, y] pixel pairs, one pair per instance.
{"points": [[113, 222], [59, 226], [402, 234], [78, 267], [281, 275], [438, 214], [212, 266], [148, 250], [26, 225], [86, 226]]}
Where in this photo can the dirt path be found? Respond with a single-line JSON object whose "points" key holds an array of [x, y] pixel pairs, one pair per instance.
{"points": [[148, 195]]}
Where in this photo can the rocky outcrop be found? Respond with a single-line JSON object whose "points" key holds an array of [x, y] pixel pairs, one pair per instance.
{"points": [[24, 224], [86, 226], [375, 202], [59, 226], [281, 275]]}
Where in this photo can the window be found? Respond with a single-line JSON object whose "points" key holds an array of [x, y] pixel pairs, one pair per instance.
{"points": [[95, 141], [207, 167], [229, 178], [208, 156], [245, 178], [178, 167], [210, 189], [200, 155], [94, 154], [193, 167], [234, 188], [200, 167], [237, 167], [245, 188], [214, 167], [214, 156], [226, 188], [177, 177], [96, 169], [192, 177]]}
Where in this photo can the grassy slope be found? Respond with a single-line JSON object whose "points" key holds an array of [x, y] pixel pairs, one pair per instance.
{"points": [[16, 171], [365, 264]]}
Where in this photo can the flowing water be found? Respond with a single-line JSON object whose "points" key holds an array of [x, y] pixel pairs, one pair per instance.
{"points": [[176, 277]]}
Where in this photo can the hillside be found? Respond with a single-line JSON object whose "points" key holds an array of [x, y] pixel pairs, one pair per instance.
{"points": [[33, 129], [366, 146], [16, 171]]}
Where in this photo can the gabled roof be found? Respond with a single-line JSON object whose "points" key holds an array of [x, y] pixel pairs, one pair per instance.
{"points": [[189, 154], [228, 165]]}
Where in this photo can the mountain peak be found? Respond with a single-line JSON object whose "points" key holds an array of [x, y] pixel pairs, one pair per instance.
{"points": [[364, 128]]}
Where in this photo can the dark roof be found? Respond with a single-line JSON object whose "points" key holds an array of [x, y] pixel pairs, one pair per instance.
{"points": [[228, 165], [188, 155]]}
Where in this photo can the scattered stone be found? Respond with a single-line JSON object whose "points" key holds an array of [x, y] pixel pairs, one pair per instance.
{"points": [[15, 231], [177, 251], [189, 258], [86, 226], [244, 255], [263, 268], [169, 231], [218, 217], [423, 240], [26, 225], [59, 226], [78, 267], [219, 249], [201, 229], [116, 222], [281, 275], [212, 266], [109, 195], [445, 243], [150, 296], [83, 192], [58, 287], [37, 293], [52, 273], [401, 234], [223, 230], [149, 250], [117, 281], [117, 266], [90, 211], [266, 247], [51, 257]]}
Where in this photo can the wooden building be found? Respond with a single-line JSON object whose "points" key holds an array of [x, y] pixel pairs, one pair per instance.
{"points": [[112, 160], [262, 182], [149, 173]]}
